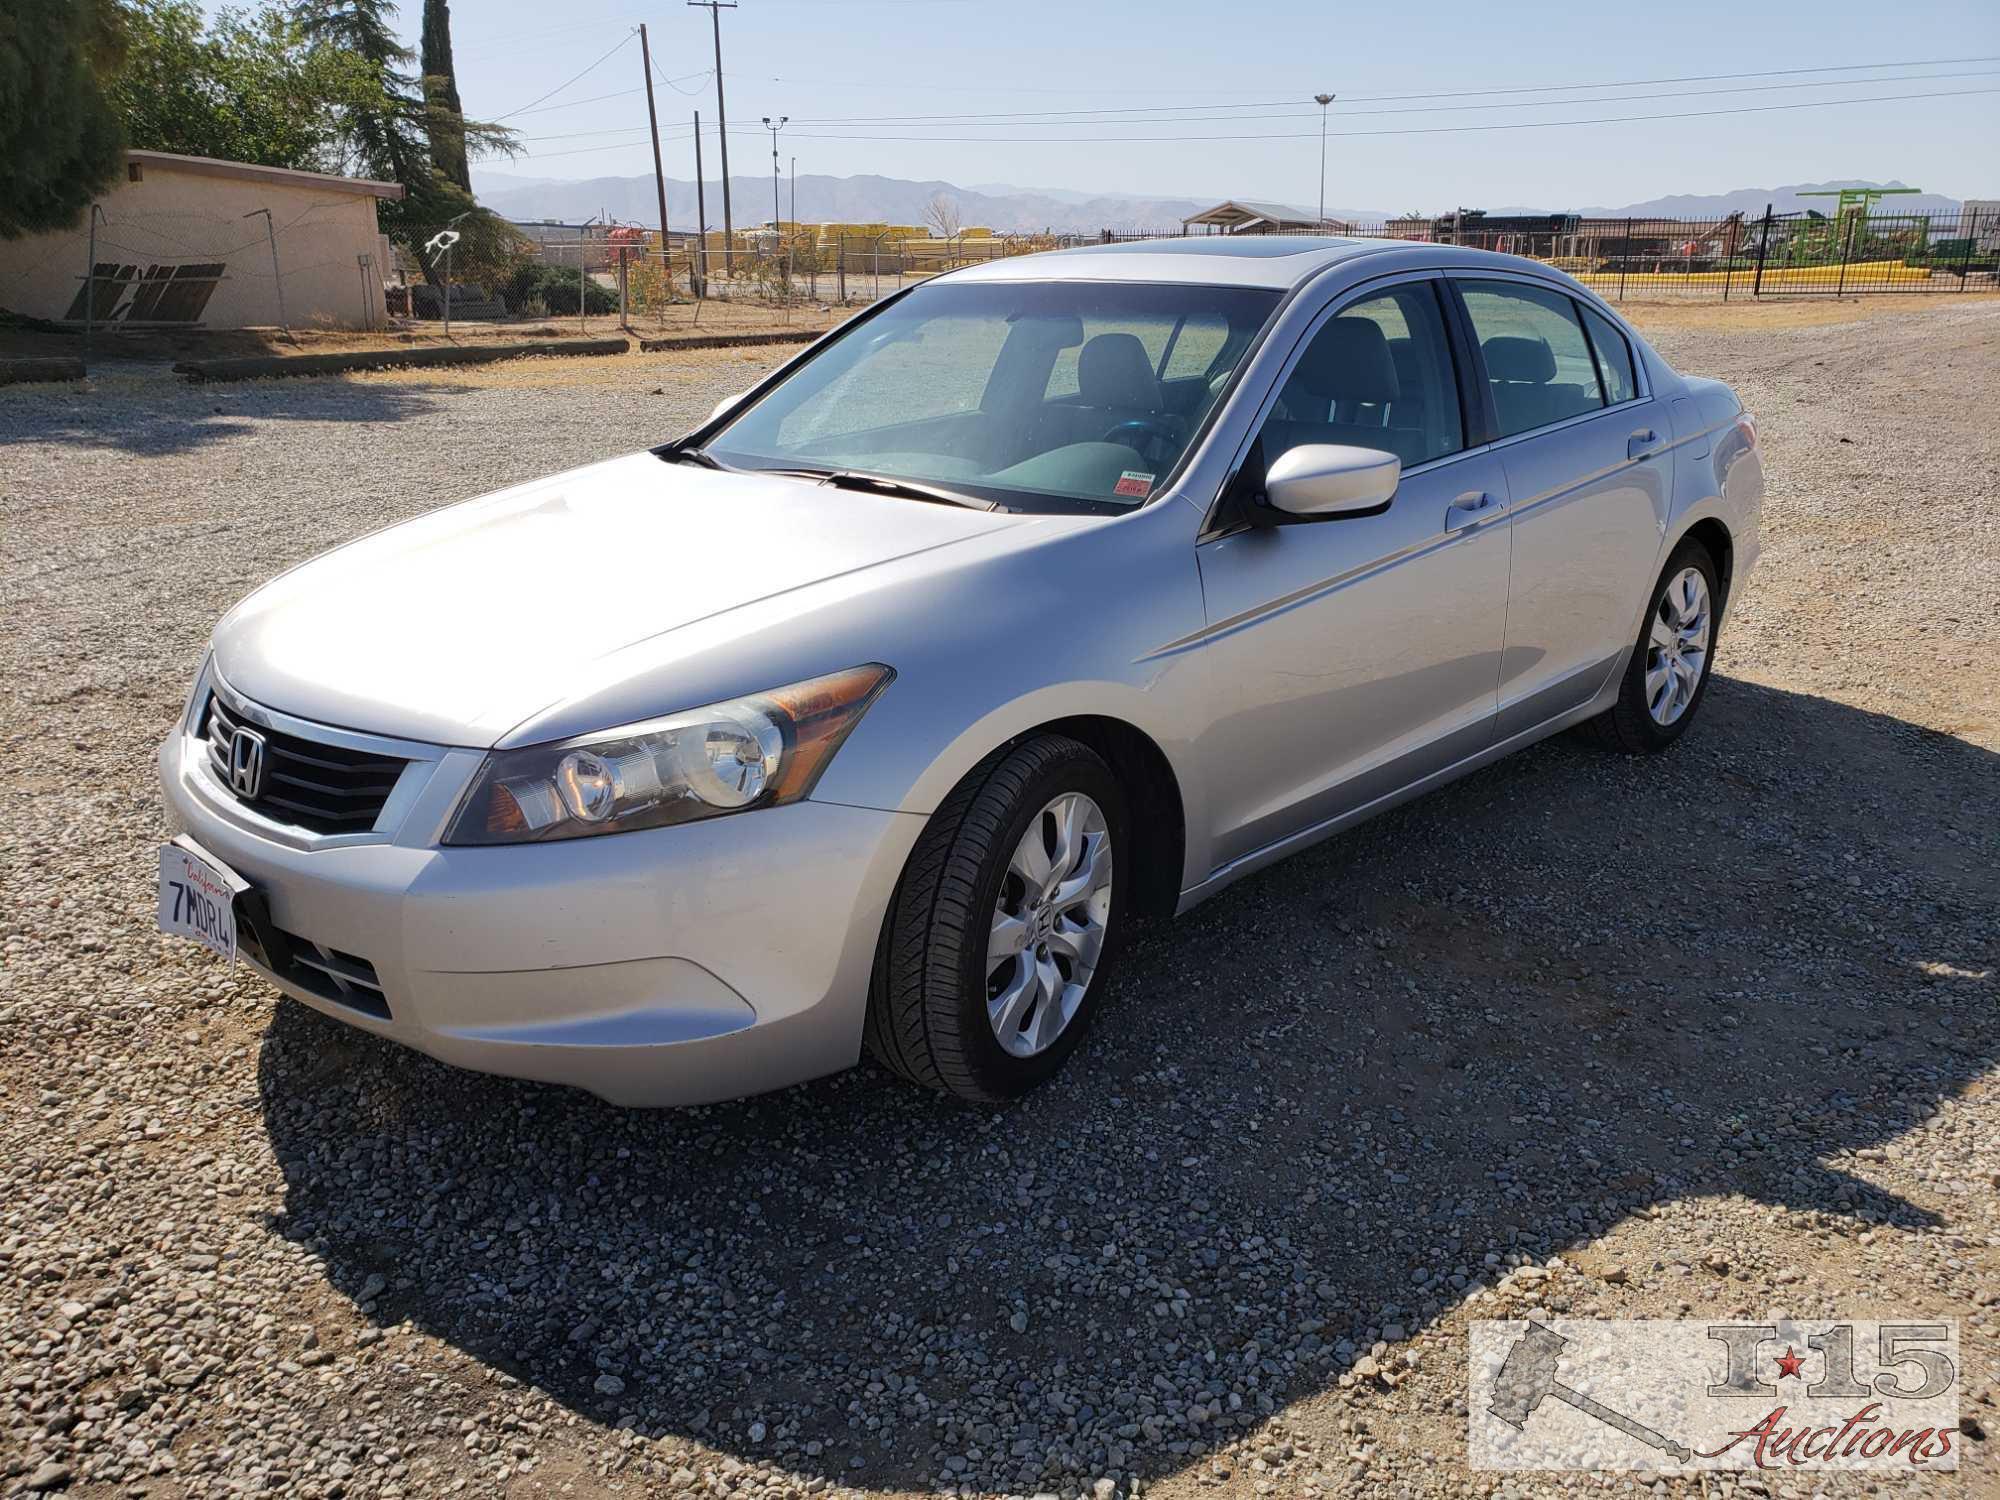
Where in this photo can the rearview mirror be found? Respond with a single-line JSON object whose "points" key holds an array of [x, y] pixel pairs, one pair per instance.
{"points": [[725, 404], [1316, 481]]}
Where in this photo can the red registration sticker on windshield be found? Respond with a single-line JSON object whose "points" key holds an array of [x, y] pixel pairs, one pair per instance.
{"points": [[1133, 483]]}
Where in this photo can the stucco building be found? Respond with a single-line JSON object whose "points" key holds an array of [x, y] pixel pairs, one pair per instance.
{"points": [[182, 241]]}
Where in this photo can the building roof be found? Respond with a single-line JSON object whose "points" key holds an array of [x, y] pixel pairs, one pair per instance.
{"points": [[1241, 212], [209, 166]]}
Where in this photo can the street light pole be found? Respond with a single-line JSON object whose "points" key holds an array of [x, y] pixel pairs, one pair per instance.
{"points": [[1322, 100], [776, 217]]}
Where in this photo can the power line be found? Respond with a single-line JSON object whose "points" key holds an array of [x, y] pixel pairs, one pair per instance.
{"points": [[524, 109], [1749, 109], [1548, 88], [675, 83], [1756, 88], [578, 103]]}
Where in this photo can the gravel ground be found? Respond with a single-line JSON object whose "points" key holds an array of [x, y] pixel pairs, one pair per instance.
{"points": [[1713, 1033]]}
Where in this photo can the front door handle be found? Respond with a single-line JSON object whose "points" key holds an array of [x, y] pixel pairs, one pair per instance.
{"points": [[1642, 442], [1469, 510]]}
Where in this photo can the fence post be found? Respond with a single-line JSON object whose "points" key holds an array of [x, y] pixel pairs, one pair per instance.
{"points": [[1728, 259], [90, 287], [1971, 228], [1846, 246], [625, 287], [1625, 260], [581, 301], [277, 277], [1763, 247]]}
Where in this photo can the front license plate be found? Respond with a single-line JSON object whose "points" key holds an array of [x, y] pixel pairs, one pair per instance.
{"points": [[198, 897]]}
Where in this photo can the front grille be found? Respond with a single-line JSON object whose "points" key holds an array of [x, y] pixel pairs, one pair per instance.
{"points": [[340, 977], [326, 788]]}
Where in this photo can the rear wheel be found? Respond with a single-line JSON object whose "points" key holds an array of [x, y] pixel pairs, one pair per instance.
{"points": [[1667, 677], [995, 952]]}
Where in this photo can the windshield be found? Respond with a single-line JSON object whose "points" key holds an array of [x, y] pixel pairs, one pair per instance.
{"points": [[1041, 396]]}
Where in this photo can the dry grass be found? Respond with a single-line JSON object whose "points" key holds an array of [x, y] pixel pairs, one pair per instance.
{"points": [[1746, 316]]}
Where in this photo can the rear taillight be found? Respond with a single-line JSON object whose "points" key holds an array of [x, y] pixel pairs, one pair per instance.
{"points": [[1747, 425]]}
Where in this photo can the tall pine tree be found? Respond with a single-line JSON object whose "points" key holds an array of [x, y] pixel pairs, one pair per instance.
{"points": [[447, 116]]}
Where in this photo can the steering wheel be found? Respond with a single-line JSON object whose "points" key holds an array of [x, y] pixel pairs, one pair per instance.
{"points": [[1165, 432]]}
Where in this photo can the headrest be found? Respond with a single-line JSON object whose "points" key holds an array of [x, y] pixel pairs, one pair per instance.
{"points": [[1112, 370], [1349, 360], [1525, 360]]}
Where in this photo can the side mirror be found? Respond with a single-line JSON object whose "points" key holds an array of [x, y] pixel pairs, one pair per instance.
{"points": [[1317, 481], [725, 404]]}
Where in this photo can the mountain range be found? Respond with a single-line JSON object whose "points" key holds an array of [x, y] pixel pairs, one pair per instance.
{"points": [[1006, 207]]}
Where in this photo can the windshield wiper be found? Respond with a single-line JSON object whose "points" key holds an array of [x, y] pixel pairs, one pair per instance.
{"points": [[854, 479], [883, 484], [677, 455]]}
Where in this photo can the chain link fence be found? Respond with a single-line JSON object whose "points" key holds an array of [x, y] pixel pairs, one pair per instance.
{"points": [[610, 276]]}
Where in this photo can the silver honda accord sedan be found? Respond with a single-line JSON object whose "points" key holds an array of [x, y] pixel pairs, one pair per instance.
{"points": [[1044, 596]]}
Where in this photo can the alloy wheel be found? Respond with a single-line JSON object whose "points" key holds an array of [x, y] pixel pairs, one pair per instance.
{"points": [[1048, 924], [1677, 646]]}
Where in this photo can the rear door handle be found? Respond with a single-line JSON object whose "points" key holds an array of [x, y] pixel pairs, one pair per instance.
{"points": [[1470, 509], [1642, 442]]}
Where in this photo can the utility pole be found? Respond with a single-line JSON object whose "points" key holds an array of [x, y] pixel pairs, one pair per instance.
{"points": [[1322, 100], [776, 220], [659, 172], [715, 9], [700, 209], [795, 192]]}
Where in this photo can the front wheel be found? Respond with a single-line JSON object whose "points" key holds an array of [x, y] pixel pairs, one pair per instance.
{"points": [[1003, 925], [1667, 677]]}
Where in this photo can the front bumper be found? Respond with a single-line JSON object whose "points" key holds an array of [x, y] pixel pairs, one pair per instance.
{"points": [[669, 966]]}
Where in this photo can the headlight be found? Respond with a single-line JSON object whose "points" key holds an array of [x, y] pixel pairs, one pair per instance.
{"points": [[760, 751]]}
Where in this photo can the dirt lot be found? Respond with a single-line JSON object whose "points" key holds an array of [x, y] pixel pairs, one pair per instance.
{"points": [[1709, 1034]]}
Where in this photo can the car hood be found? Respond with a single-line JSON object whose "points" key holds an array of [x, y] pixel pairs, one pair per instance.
{"points": [[454, 628]]}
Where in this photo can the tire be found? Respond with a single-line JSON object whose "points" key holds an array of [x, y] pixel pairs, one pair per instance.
{"points": [[928, 1003], [1631, 725]]}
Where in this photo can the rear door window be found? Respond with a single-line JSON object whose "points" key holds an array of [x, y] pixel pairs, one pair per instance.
{"points": [[1537, 358]]}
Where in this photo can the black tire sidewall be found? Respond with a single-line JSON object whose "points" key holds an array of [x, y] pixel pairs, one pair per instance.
{"points": [[999, 1073]]}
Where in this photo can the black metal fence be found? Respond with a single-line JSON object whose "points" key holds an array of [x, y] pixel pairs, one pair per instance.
{"points": [[1771, 255]]}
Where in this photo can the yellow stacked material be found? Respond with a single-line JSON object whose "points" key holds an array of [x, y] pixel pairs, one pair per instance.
{"points": [[976, 232]]}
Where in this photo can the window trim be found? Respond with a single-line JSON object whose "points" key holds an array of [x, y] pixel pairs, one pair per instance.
{"points": [[1641, 377], [1334, 306]]}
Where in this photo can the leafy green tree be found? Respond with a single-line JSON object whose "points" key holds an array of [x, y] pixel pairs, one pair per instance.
{"points": [[387, 134], [59, 136], [246, 87]]}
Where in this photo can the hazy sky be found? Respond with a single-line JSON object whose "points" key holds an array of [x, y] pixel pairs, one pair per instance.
{"points": [[1048, 80]]}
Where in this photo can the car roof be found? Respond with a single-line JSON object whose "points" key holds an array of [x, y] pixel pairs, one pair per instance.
{"points": [[1280, 261]]}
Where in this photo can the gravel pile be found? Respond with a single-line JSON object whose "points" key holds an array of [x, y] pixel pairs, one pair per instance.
{"points": [[1710, 1034]]}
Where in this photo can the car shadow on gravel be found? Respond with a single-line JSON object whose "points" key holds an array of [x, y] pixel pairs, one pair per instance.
{"points": [[1507, 1017], [172, 417]]}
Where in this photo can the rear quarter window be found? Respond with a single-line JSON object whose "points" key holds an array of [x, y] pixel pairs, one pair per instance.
{"points": [[1614, 356]]}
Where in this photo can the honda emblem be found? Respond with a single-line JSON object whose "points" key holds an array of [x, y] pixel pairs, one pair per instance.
{"points": [[246, 764]]}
